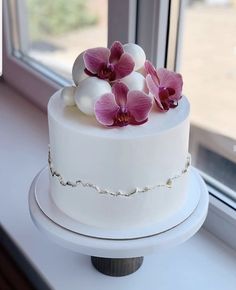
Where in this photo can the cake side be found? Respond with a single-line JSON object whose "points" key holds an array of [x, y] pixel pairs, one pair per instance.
{"points": [[118, 160]]}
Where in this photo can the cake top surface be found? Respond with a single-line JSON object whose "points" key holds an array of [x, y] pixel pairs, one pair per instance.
{"points": [[71, 117]]}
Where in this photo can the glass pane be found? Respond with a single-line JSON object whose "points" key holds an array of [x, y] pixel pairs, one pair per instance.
{"points": [[58, 30], [208, 65]]}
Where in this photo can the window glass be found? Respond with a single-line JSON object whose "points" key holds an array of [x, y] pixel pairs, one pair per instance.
{"points": [[59, 30], [208, 65]]}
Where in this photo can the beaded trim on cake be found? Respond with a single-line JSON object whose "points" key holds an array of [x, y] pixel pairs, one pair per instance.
{"points": [[79, 182]]}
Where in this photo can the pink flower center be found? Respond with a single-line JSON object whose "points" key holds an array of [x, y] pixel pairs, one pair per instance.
{"points": [[122, 118], [164, 93], [106, 71]]}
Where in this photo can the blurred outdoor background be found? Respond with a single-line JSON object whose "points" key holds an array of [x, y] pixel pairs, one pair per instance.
{"points": [[59, 30]]}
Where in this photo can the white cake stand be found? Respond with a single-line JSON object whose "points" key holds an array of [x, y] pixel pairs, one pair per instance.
{"points": [[119, 257]]}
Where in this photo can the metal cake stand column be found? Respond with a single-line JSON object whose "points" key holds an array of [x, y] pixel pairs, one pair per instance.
{"points": [[119, 257]]}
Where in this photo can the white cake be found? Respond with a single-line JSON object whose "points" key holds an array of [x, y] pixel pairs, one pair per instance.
{"points": [[115, 159], [118, 155]]}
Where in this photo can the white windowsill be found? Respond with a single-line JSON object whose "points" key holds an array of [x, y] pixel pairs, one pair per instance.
{"points": [[203, 262]]}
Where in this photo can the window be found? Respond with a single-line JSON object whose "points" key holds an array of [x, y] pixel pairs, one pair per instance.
{"points": [[194, 37], [57, 31], [44, 37], [208, 65]]}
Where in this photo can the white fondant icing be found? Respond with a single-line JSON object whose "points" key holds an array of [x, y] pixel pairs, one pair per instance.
{"points": [[137, 54], [88, 92], [136, 190], [118, 158]]}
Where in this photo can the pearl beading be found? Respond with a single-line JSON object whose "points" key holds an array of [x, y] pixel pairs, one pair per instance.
{"points": [[79, 182]]}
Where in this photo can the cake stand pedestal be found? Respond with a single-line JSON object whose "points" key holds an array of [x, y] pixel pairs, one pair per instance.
{"points": [[119, 257]]}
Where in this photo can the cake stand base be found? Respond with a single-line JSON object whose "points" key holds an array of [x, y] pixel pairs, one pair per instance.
{"points": [[119, 257], [117, 267]]}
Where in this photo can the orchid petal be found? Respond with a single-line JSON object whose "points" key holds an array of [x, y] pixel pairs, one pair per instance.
{"points": [[150, 69], [171, 81], [116, 51], [163, 105], [106, 109], [154, 90], [95, 57], [124, 66], [120, 91], [138, 105]]}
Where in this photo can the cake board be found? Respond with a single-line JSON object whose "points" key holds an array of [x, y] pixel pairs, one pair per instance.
{"points": [[118, 257]]}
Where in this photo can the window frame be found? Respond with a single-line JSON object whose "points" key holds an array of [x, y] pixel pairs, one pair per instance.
{"points": [[221, 218], [31, 81]]}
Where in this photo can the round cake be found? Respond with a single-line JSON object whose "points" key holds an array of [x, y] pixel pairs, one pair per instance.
{"points": [[121, 175]]}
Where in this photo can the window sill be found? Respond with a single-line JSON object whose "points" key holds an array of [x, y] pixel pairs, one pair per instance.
{"points": [[202, 262]]}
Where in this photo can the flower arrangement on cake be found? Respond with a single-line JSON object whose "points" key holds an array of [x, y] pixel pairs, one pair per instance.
{"points": [[119, 86]]}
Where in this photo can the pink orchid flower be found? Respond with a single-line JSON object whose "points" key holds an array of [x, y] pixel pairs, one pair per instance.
{"points": [[123, 107], [109, 64], [164, 85]]}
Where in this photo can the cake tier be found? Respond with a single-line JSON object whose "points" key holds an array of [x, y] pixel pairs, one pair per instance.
{"points": [[118, 159]]}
